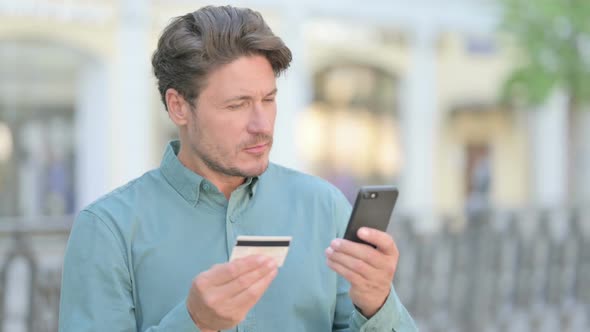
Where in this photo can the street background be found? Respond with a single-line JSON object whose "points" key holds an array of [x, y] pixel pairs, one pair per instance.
{"points": [[478, 110]]}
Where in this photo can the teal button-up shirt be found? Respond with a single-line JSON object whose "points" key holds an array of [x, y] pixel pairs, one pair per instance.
{"points": [[132, 254]]}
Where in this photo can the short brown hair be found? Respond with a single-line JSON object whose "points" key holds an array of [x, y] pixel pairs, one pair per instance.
{"points": [[193, 45]]}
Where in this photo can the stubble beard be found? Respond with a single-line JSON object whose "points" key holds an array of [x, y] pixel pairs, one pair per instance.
{"points": [[215, 164]]}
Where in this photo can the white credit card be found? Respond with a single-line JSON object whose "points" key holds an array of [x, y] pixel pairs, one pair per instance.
{"points": [[276, 247]]}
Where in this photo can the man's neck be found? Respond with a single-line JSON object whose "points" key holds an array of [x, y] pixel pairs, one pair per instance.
{"points": [[225, 184]]}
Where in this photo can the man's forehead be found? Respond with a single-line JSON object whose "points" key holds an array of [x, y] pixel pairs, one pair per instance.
{"points": [[242, 94], [254, 91]]}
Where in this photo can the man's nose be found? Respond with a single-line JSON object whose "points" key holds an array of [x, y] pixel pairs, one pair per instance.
{"points": [[261, 119]]}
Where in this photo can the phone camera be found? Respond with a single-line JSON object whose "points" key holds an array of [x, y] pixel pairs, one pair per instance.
{"points": [[370, 195]]}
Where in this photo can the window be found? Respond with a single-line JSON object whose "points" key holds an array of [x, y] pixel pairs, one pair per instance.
{"points": [[37, 164], [350, 135]]}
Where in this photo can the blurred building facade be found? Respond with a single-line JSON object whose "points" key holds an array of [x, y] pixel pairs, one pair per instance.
{"points": [[378, 92]]}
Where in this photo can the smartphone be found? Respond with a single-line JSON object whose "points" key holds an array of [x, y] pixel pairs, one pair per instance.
{"points": [[372, 208]]}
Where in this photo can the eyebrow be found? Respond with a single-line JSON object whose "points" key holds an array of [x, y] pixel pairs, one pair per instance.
{"points": [[245, 97]]}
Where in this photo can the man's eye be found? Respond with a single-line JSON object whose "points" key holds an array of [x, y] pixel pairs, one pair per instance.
{"points": [[269, 100], [237, 106]]}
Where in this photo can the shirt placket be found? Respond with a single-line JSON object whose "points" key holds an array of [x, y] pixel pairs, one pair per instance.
{"points": [[233, 229]]}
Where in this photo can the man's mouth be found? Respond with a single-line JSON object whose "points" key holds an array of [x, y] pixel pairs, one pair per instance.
{"points": [[258, 148]]}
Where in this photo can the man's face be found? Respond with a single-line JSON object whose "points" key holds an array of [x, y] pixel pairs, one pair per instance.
{"points": [[231, 127]]}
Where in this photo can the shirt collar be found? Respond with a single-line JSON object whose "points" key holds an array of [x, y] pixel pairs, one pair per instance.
{"points": [[186, 182]]}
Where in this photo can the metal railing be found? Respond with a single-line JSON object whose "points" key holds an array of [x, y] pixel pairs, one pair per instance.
{"points": [[511, 271], [29, 281]]}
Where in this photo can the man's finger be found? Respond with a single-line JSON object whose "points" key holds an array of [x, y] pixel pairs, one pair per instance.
{"points": [[359, 266], [359, 251], [383, 241], [223, 273], [249, 296], [350, 275], [246, 280]]}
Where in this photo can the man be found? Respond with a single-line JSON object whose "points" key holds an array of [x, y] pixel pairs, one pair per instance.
{"points": [[153, 255]]}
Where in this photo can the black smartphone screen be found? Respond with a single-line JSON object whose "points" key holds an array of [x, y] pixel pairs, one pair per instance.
{"points": [[372, 208]]}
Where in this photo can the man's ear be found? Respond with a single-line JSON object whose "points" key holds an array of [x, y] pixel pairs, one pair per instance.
{"points": [[178, 107]]}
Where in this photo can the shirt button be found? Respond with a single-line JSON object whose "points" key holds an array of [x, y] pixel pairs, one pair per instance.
{"points": [[206, 187], [232, 219]]}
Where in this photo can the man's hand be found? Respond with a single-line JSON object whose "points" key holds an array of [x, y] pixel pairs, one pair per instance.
{"points": [[370, 271], [221, 297]]}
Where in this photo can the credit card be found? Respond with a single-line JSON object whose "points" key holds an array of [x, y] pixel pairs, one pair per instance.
{"points": [[276, 247]]}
